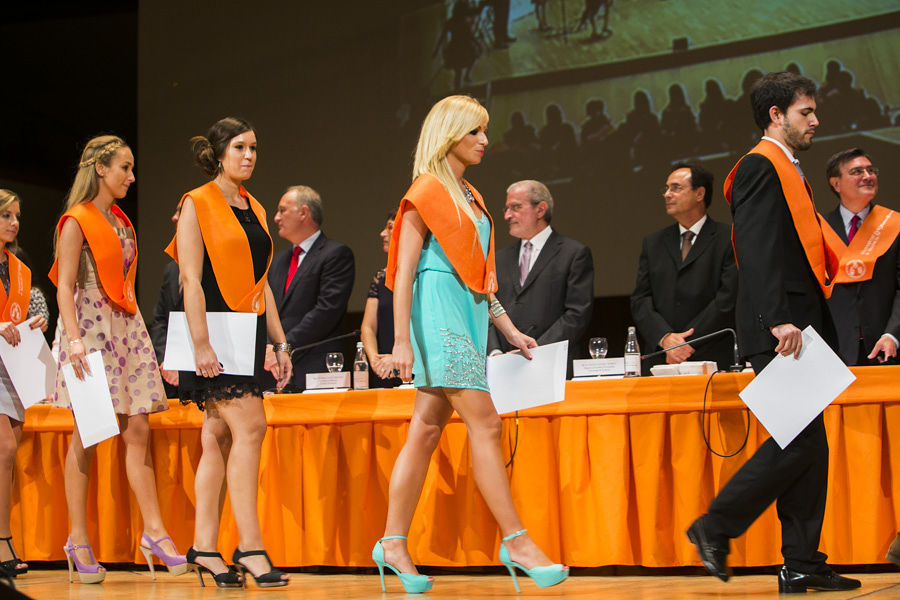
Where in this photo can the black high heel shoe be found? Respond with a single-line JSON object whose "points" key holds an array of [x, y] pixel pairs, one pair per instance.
{"points": [[228, 579], [270, 579], [11, 566]]}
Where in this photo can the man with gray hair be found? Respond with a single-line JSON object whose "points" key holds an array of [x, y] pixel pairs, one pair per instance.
{"points": [[546, 281], [311, 281]]}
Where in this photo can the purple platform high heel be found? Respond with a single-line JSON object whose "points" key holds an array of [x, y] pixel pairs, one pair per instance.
{"points": [[175, 563], [94, 573]]}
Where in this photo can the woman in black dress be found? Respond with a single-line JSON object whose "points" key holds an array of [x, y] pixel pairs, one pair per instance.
{"points": [[223, 250], [377, 330]]}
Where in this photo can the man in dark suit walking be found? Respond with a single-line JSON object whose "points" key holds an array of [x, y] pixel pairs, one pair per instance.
{"points": [[784, 272], [866, 311], [546, 281], [311, 281], [686, 280]]}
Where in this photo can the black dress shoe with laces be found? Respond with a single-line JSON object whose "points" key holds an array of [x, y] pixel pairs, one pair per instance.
{"points": [[795, 582], [713, 555]]}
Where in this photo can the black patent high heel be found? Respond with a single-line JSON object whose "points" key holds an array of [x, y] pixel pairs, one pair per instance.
{"points": [[270, 579], [228, 579], [12, 565]]}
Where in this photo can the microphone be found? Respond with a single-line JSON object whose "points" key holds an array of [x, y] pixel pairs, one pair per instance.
{"points": [[736, 367], [353, 333]]}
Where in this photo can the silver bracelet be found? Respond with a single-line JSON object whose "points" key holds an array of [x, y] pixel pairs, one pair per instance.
{"points": [[282, 347], [496, 309]]}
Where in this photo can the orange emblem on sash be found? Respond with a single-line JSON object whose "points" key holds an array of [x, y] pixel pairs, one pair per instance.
{"points": [[107, 251], [228, 248], [15, 303], [874, 238]]}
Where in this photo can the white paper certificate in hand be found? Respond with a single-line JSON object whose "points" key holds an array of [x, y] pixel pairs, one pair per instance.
{"points": [[517, 383], [231, 334], [789, 393], [91, 402], [30, 365]]}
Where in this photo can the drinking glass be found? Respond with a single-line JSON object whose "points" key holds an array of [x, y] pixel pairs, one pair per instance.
{"points": [[598, 347], [334, 361]]}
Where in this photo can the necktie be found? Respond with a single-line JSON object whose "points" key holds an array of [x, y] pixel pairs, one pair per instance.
{"points": [[686, 244], [525, 263], [799, 170], [854, 227], [295, 261]]}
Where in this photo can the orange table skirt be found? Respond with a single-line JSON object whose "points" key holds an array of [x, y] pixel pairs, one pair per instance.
{"points": [[611, 476]]}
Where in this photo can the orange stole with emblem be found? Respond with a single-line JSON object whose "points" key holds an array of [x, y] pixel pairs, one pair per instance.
{"points": [[15, 303], [872, 240], [822, 258], [107, 251], [228, 248], [454, 231]]}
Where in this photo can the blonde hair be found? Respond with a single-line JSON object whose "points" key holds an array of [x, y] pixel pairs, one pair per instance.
{"points": [[448, 122], [100, 149], [7, 197]]}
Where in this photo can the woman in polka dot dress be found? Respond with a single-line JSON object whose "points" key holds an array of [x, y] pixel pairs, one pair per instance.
{"points": [[94, 272]]}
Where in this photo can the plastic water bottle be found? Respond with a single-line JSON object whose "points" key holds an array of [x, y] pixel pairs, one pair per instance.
{"points": [[632, 354], [360, 369]]}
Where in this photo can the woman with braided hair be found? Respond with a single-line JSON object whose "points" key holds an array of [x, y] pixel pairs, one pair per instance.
{"points": [[94, 271]]}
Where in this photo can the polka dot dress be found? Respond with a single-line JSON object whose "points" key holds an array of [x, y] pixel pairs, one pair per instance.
{"points": [[122, 339]]}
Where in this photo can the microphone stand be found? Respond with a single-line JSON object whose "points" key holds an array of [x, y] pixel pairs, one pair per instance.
{"points": [[736, 367], [353, 333]]}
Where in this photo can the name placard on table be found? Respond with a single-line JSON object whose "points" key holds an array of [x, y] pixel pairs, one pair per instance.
{"points": [[327, 381], [595, 367]]}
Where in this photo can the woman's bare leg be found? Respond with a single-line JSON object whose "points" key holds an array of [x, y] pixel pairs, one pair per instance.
{"points": [[10, 433], [430, 415], [209, 485], [246, 419], [484, 427]]}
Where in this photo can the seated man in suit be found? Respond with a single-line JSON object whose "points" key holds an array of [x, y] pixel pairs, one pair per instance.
{"points": [[865, 308], [686, 280], [311, 281], [546, 281]]}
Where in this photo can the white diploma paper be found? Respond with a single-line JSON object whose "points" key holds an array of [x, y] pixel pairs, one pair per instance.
{"points": [[517, 383], [30, 365], [91, 402], [231, 334], [789, 393]]}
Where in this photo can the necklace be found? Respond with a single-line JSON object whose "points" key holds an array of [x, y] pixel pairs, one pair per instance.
{"points": [[467, 192]]}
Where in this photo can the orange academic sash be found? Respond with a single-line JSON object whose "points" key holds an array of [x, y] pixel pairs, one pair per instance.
{"points": [[15, 304], [857, 261], [822, 259], [228, 248], [107, 251], [454, 231]]}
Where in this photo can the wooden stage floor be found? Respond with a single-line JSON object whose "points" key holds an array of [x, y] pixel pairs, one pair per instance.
{"points": [[137, 585]]}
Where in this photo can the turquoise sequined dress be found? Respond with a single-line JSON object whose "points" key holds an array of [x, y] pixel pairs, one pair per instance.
{"points": [[449, 322]]}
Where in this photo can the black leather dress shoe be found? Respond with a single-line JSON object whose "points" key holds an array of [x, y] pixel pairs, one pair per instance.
{"points": [[794, 582], [713, 555]]}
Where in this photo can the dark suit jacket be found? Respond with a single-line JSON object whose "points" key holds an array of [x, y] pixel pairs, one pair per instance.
{"points": [[170, 298], [699, 293], [775, 282], [870, 308], [557, 299], [314, 306]]}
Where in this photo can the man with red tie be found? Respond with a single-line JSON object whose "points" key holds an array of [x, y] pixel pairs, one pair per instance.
{"points": [[865, 303], [311, 281]]}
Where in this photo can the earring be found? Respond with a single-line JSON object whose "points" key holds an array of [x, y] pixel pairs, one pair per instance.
{"points": [[220, 165]]}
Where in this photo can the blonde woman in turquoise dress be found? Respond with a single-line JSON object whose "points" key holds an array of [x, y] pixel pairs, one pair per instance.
{"points": [[441, 269]]}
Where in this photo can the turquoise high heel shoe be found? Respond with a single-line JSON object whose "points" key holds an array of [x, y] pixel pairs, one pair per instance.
{"points": [[542, 576], [413, 584]]}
